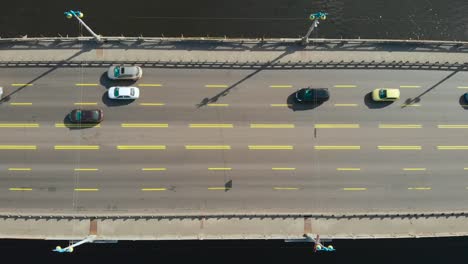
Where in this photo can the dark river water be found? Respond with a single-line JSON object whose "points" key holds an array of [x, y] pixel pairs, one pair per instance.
{"points": [[393, 19]]}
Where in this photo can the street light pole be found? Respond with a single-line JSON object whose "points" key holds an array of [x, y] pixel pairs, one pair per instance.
{"points": [[79, 15], [315, 18]]}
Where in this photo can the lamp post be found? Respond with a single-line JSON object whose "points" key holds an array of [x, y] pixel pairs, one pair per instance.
{"points": [[79, 15], [315, 18]]}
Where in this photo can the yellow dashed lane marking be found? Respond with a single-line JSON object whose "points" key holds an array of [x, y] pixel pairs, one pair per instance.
{"points": [[286, 188], [21, 104], [410, 86], [414, 169], [281, 86], [86, 189], [336, 126], [219, 169], [153, 169], [284, 169], [218, 188], [346, 104], [280, 105], [78, 147], [152, 104], [141, 147], [219, 105], [20, 147], [411, 105], [271, 147], [18, 125], [348, 169], [153, 189], [149, 85], [354, 189], [462, 87], [86, 169], [216, 86], [211, 125], [399, 147], [207, 147], [19, 169], [20, 189], [400, 126], [86, 84], [272, 126], [86, 103], [22, 84], [345, 86], [452, 126], [62, 125], [452, 147], [337, 147], [420, 188], [126, 125]]}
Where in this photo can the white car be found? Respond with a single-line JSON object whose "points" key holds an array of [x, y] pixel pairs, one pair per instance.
{"points": [[123, 92], [120, 72]]}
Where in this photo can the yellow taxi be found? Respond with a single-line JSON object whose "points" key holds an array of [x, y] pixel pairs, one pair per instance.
{"points": [[385, 94]]}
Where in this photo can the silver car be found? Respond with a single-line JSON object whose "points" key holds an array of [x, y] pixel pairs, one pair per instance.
{"points": [[123, 92], [121, 72]]}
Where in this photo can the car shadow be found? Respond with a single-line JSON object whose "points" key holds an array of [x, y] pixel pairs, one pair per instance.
{"points": [[371, 104], [296, 106], [77, 126], [463, 102], [111, 103], [106, 82]]}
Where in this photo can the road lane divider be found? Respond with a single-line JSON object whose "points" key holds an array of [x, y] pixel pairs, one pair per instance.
{"points": [[344, 86], [348, 169], [207, 147], [414, 169], [86, 103], [272, 125], [76, 147], [141, 125], [406, 105], [283, 169], [216, 86], [18, 147], [219, 169], [86, 189], [141, 147], [346, 104], [21, 104], [211, 125], [336, 126], [218, 105], [354, 189], [219, 188], [337, 147], [152, 104], [86, 84], [400, 126], [399, 147], [19, 125], [153, 189], [285, 188], [20, 169], [452, 147], [462, 87], [20, 189], [270, 147], [281, 86], [149, 85], [280, 105], [21, 84], [153, 169], [452, 126], [420, 188], [86, 169], [410, 86], [62, 125]]}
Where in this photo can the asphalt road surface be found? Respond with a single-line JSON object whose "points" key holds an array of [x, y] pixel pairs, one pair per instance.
{"points": [[234, 141]]}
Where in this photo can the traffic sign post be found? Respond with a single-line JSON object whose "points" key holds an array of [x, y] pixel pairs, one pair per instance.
{"points": [[315, 18], [78, 15]]}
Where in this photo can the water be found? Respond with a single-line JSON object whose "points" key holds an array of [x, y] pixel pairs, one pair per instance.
{"points": [[394, 19]]}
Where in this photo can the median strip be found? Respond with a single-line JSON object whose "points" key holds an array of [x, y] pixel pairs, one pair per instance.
{"points": [[399, 147], [141, 147], [337, 147], [19, 125], [270, 147], [77, 147], [336, 126], [18, 147], [19, 169], [152, 125], [211, 125], [400, 126], [272, 126], [207, 147]]}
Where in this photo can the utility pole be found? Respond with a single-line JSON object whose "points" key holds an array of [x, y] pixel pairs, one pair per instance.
{"points": [[315, 18], [79, 15]]}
